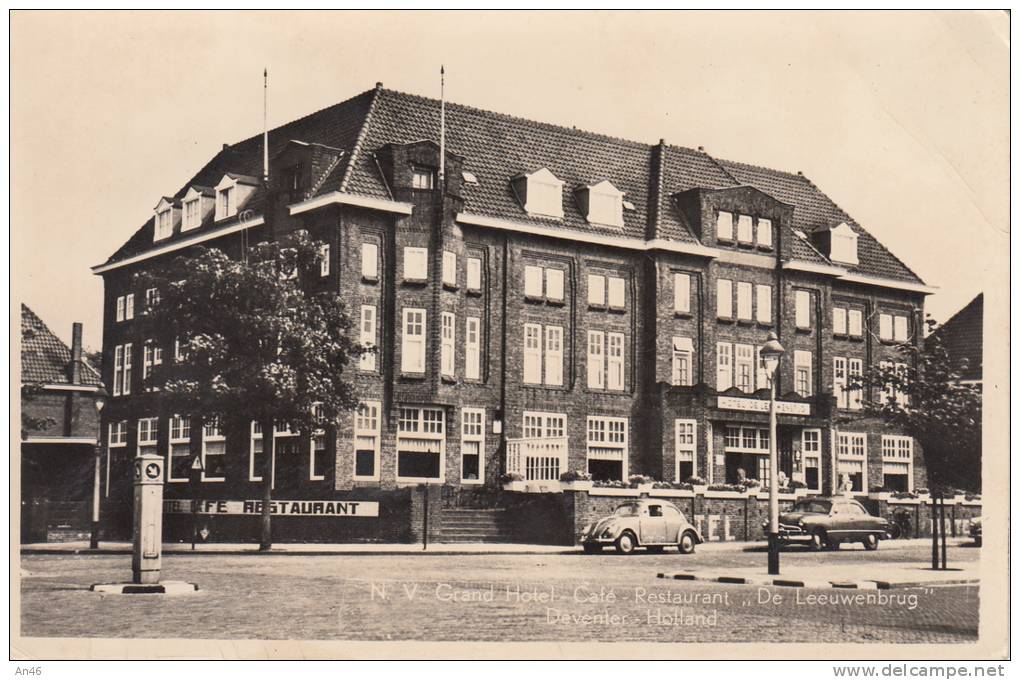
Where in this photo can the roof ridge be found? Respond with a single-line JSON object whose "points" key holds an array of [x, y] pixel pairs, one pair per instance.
{"points": [[509, 117], [360, 139], [762, 168]]}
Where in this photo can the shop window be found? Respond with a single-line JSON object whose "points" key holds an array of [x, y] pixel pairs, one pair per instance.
{"points": [[366, 441], [607, 447], [179, 465], [686, 448], [421, 443], [214, 450], [472, 445]]}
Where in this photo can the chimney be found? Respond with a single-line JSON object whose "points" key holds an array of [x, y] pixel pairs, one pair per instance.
{"points": [[75, 369]]}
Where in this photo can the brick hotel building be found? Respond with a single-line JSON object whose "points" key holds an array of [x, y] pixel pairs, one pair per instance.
{"points": [[562, 301]]}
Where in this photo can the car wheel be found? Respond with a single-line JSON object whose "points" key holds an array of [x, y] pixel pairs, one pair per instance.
{"points": [[687, 543], [591, 548], [818, 541], [626, 543], [870, 542]]}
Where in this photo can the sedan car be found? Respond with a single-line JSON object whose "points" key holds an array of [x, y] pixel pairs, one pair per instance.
{"points": [[645, 523], [827, 522]]}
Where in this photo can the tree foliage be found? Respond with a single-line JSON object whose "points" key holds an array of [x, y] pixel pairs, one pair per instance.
{"points": [[939, 410]]}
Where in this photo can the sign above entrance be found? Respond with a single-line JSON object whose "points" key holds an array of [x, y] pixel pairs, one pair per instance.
{"points": [[790, 408], [325, 508]]}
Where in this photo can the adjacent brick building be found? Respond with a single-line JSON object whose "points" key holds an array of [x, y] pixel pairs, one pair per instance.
{"points": [[59, 427], [542, 299]]}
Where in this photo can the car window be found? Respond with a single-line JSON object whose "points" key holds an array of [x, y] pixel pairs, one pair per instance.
{"points": [[854, 509], [812, 506], [628, 510], [655, 510]]}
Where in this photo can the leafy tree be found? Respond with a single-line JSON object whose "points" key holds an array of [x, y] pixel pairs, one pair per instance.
{"points": [[251, 339], [941, 412]]}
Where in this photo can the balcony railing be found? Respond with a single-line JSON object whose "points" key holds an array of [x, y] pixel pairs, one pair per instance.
{"points": [[537, 459]]}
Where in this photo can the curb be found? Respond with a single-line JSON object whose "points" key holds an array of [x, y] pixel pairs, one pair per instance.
{"points": [[797, 583], [304, 553]]}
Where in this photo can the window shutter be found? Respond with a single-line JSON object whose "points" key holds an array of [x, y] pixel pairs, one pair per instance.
{"points": [[744, 301], [724, 366], [682, 293], [856, 322], [617, 288], [532, 282], [368, 332], [839, 320], [553, 355], [416, 264], [615, 362], [764, 232], [596, 290], [554, 284], [596, 359], [449, 268], [724, 226], [900, 328], [447, 344], [763, 304], [369, 261], [885, 331], [472, 346], [474, 273], [803, 309], [724, 299], [745, 232], [532, 354]]}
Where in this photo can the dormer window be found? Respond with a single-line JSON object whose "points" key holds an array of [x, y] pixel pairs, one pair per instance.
{"points": [[422, 178], [540, 192], [164, 227], [225, 206], [232, 192], [192, 214], [843, 244], [197, 203], [602, 203]]}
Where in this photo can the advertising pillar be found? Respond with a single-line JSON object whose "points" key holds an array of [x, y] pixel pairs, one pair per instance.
{"points": [[147, 537]]}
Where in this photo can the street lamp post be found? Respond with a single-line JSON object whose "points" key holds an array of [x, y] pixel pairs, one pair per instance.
{"points": [[99, 401], [770, 355]]}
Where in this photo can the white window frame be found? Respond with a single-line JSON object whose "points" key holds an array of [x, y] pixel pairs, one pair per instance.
{"points": [[413, 346], [839, 381], [763, 303], [324, 261], [180, 426], [532, 347], [118, 369], [683, 450], [216, 437], [596, 363], [893, 449], [189, 221], [554, 284], [473, 348], [743, 361], [151, 430], [839, 318], [533, 276], [885, 327], [853, 448], [416, 263], [815, 454], [802, 363], [745, 229], [467, 414], [447, 344], [226, 203], [369, 260], [474, 274], [764, 231], [151, 298], [164, 224], [900, 326], [601, 438], [369, 328], [723, 366], [553, 356], [449, 268], [617, 292], [116, 436], [854, 373], [254, 436], [902, 398], [745, 292], [544, 194], [363, 428], [422, 178], [683, 350], [127, 372], [152, 355], [129, 306], [596, 290], [762, 379], [421, 434], [724, 226], [120, 308], [681, 293], [724, 298], [615, 362], [855, 323], [543, 425], [802, 306], [316, 433]]}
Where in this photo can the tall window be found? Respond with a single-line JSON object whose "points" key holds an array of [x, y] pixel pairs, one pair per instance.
{"points": [[607, 447], [745, 367], [532, 282], [317, 453], [117, 434], [724, 366], [764, 233], [179, 465], [472, 348], [554, 356], [416, 264], [324, 260], [897, 462], [370, 261], [839, 320], [596, 359], [802, 373], [554, 284], [724, 299], [120, 308], [147, 435], [472, 445], [164, 223], [412, 352], [745, 230], [763, 304], [214, 452], [532, 354], [724, 226], [744, 301], [852, 459], [802, 307], [122, 369], [367, 361], [449, 268], [474, 274], [683, 353], [614, 364], [421, 443], [448, 334], [686, 449], [855, 374], [885, 327], [152, 355], [366, 441], [900, 328], [855, 321], [682, 293], [596, 290], [192, 216], [225, 203], [811, 445], [617, 292], [839, 381], [256, 453]]}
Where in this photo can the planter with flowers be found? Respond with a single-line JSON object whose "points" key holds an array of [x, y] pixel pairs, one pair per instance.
{"points": [[698, 485], [512, 481], [576, 480], [642, 483]]}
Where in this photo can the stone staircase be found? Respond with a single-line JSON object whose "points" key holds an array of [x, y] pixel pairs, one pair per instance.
{"points": [[473, 525]]}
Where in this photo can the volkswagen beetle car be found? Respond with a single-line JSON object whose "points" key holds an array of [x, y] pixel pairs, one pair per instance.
{"points": [[645, 523], [827, 522]]}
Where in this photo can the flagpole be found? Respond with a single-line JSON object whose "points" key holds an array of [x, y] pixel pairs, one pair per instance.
{"points": [[265, 126], [442, 127]]}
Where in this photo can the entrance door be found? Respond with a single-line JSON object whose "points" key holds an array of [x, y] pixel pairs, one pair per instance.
{"points": [[786, 453]]}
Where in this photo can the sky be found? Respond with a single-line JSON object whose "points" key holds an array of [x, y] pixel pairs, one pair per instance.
{"points": [[902, 118]]}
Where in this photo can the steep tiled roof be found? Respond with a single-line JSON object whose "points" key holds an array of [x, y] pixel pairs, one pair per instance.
{"points": [[962, 336], [497, 147], [44, 358]]}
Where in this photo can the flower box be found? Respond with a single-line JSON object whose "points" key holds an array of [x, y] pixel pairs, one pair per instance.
{"points": [[516, 485], [700, 489], [578, 485]]}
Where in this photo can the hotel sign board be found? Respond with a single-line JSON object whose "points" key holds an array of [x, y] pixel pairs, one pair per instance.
{"points": [[177, 506], [789, 408]]}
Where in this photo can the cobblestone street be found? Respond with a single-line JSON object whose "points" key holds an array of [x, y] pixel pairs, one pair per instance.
{"points": [[569, 597]]}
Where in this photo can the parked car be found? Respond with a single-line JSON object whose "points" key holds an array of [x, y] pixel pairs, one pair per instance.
{"points": [[974, 529], [650, 524], [827, 522]]}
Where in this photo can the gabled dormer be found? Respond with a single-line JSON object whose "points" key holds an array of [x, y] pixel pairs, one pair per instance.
{"points": [[540, 193], [196, 206], [842, 244], [601, 203], [232, 192], [167, 217]]}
